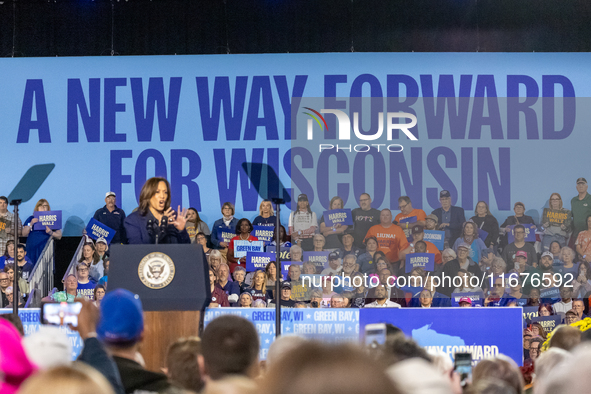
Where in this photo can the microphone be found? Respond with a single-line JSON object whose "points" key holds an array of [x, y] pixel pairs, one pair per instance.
{"points": [[150, 228]]}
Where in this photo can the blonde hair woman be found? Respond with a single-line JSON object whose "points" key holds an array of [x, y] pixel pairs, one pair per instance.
{"points": [[75, 379]]}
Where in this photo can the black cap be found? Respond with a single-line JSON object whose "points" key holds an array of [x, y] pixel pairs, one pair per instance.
{"points": [[286, 284], [333, 255], [581, 180], [302, 197], [444, 193], [417, 229]]}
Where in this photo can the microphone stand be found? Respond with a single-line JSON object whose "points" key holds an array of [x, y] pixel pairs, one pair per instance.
{"points": [[278, 202], [15, 289]]}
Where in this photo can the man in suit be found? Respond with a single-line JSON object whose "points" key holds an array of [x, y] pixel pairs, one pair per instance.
{"points": [[450, 218]]}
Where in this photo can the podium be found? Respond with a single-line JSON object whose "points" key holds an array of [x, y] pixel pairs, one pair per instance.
{"points": [[172, 282]]}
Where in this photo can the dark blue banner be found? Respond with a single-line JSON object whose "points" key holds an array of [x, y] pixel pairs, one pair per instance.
{"points": [[51, 219], [258, 260], [338, 216], [455, 330], [420, 260], [263, 233]]}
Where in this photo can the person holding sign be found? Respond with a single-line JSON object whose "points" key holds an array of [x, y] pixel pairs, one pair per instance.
{"points": [[487, 223], [333, 232], [556, 222], [113, 217], [36, 239], [243, 230], [226, 224], [418, 235], [303, 224], [408, 216], [155, 221], [518, 218], [266, 215]]}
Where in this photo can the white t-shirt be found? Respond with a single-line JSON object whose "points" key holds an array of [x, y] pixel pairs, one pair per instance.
{"points": [[387, 304], [302, 221]]}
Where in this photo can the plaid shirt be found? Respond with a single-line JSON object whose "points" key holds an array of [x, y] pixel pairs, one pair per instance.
{"points": [[7, 232]]}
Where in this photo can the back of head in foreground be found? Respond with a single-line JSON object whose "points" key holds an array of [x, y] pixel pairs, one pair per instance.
{"points": [[316, 368], [182, 367], [229, 346], [500, 368], [121, 325], [75, 379]]}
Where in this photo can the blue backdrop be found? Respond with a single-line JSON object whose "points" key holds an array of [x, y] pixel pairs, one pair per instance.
{"points": [[109, 123]]}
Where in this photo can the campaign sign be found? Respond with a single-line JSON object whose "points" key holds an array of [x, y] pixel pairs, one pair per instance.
{"points": [[548, 323], [30, 318], [324, 325], [422, 260], [226, 234], [320, 259], [51, 219], [411, 219], [284, 253], [243, 247], [338, 216], [550, 295], [477, 298], [263, 233], [455, 330], [96, 230], [530, 233], [555, 217], [436, 237], [482, 234], [285, 268], [258, 260], [529, 312]]}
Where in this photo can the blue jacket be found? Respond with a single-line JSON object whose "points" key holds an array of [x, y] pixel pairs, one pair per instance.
{"points": [[220, 224], [113, 220], [137, 232], [455, 224]]}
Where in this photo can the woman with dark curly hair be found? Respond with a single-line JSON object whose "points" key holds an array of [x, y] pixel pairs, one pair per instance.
{"points": [[243, 230]]}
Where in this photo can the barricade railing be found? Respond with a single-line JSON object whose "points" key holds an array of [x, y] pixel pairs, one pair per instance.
{"points": [[40, 281]]}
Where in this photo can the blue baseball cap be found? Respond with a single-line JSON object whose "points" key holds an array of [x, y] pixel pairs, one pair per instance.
{"points": [[122, 317]]}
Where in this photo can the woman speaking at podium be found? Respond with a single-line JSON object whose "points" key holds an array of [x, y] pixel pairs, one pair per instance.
{"points": [[155, 221]]}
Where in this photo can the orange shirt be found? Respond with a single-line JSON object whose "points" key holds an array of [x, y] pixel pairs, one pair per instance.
{"points": [[431, 248], [391, 240], [418, 213]]}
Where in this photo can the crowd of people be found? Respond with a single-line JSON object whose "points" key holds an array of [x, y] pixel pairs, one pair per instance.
{"points": [[226, 360], [486, 264]]}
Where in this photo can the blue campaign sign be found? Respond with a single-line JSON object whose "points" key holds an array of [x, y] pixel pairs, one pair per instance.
{"points": [[530, 233], [320, 259], [421, 260], [325, 325], [284, 253], [263, 233], [482, 234], [453, 330], [529, 312], [51, 219], [410, 219], [30, 317], [548, 323], [436, 237], [477, 298], [258, 260], [338, 216], [550, 295], [226, 235], [96, 230]]}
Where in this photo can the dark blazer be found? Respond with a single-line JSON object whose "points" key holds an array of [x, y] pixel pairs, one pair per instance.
{"points": [[457, 221], [137, 232]]}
